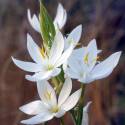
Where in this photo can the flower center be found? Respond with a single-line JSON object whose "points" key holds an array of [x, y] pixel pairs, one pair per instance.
{"points": [[86, 59], [49, 67], [54, 109]]}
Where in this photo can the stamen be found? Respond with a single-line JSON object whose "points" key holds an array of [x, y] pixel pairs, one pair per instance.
{"points": [[86, 58], [49, 67], [54, 109], [42, 50]]}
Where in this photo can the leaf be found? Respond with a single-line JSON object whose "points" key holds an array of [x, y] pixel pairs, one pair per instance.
{"points": [[47, 27]]}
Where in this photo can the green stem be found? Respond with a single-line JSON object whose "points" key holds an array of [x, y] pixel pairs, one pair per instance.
{"points": [[59, 88], [45, 123], [80, 106], [73, 117], [80, 111], [55, 82], [82, 95], [62, 121]]}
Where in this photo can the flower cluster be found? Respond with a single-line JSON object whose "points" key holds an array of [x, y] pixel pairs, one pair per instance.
{"points": [[58, 65]]}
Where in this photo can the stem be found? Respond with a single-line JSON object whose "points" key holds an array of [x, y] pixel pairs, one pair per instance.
{"points": [[58, 82], [59, 88], [45, 123], [80, 112], [55, 82], [82, 95], [73, 117], [62, 121], [80, 106]]}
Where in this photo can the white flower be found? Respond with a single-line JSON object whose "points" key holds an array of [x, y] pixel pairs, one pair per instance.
{"points": [[85, 119], [86, 68], [49, 107], [45, 66], [59, 20], [61, 17]]}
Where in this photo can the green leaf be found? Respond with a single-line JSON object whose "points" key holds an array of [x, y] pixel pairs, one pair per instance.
{"points": [[47, 27]]}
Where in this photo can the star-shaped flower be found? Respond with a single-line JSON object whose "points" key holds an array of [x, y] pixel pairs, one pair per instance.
{"points": [[59, 21], [49, 107], [84, 65], [45, 65]]}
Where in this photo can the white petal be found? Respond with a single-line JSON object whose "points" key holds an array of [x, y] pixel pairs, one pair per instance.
{"points": [[85, 109], [34, 50], [71, 73], [60, 113], [75, 64], [85, 119], [56, 72], [64, 19], [41, 85], [57, 47], [27, 66], [61, 17], [65, 92], [45, 88], [33, 108], [42, 75], [64, 57], [74, 37], [106, 67], [72, 100], [86, 80], [33, 21], [41, 118], [92, 45], [92, 51], [65, 65], [78, 53]]}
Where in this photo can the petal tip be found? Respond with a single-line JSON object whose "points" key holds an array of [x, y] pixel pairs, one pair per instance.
{"points": [[21, 108], [80, 26], [85, 109], [119, 53], [60, 5], [14, 60]]}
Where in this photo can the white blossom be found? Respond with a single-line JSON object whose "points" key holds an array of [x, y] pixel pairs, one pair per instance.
{"points": [[61, 17], [44, 66], [84, 66], [49, 107], [59, 21]]}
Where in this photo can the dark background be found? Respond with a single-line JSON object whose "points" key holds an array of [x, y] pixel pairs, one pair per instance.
{"points": [[101, 19]]}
